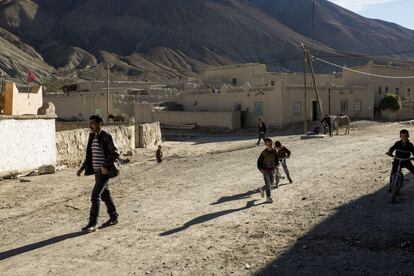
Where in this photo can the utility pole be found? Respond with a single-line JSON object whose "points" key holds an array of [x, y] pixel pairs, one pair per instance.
{"points": [[107, 92], [329, 100], [313, 22], [305, 108], [314, 81]]}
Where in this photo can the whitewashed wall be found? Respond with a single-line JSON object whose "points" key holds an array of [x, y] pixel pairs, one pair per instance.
{"points": [[26, 143]]}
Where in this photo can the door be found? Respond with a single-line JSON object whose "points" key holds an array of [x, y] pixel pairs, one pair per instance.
{"points": [[315, 111]]}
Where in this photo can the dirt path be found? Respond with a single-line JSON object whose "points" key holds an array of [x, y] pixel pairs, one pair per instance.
{"points": [[201, 215]]}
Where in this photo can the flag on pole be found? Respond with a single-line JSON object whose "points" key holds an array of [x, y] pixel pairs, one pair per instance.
{"points": [[31, 76]]}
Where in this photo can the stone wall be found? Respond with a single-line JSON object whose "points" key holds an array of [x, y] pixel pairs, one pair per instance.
{"points": [[148, 135], [71, 144], [144, 113], [27, 142]]}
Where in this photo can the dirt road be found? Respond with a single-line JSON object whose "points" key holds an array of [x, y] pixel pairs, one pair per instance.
{"points": [[201, 215]]}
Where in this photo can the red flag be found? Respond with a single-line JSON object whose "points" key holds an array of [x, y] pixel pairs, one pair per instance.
{"points": [[31, 76]]}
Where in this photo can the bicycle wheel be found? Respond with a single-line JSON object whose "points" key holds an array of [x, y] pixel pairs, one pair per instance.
{"points": [[395, 186]]}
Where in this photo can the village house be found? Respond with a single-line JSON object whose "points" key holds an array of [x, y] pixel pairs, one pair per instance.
{"points": [[19, 99], [27, 130], [237, 96]]}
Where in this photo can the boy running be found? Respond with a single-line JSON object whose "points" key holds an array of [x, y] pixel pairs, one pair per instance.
{"points": [[284, 153], [267, 163], [403, 149]]}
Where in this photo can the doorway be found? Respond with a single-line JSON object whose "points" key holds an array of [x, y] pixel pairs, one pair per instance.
{"points": [[316, 114]]}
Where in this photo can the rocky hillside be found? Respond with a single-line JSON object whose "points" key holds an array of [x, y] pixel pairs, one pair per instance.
{"points": [[175, 38]]}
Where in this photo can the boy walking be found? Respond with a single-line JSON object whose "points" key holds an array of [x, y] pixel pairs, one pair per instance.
{"points": [[403, 149], [284, 153], [101, 153], [267, 163], [262, 130]]}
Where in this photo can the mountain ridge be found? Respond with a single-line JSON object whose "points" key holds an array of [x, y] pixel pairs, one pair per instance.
{"points": [[176, 38]]}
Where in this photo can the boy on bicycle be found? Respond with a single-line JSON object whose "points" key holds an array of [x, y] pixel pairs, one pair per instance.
{"points": [[267, 163], [284, 153], [403, 149]]}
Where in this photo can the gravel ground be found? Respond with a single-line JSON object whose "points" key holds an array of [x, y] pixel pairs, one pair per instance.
{"points": [[199, 213]]}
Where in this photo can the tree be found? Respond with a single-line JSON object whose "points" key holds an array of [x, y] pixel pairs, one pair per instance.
{"points": [[391, 102]]}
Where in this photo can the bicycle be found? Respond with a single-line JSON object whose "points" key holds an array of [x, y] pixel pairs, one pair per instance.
{"points": [[397, 179]]}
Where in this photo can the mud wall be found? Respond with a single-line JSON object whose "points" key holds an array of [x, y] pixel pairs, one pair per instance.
{"points": [[71, 144], [27, 142], [147, 135]]}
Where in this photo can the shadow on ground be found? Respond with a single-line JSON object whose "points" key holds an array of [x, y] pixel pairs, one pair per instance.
{"points": [[208, 217], [33, 246], [369, 236], [241, 196]]}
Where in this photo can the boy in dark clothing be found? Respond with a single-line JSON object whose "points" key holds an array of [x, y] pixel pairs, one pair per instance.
{"points": [[284, 153], [158, 154], [262, 130], [327, 122], [403, 149], [101, 153], [267, 163]]}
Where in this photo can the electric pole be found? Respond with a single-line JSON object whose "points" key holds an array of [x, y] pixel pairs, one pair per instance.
{"points": [[305, 108], [314, 81], [107, 92]]}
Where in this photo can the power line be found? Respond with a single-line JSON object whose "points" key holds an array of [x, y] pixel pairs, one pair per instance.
{"points": [[361, 72]]}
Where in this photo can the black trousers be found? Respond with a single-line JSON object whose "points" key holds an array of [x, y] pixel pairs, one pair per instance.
{"points": [[262, 135], [101, 191]]}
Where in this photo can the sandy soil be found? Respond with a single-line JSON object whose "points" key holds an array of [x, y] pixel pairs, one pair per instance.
{"points": [[199, 213]]}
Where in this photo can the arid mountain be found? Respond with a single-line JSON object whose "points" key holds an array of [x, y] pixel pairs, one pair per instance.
{"points": [[176, 38]]}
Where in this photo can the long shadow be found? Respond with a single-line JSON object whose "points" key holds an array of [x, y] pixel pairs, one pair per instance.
{"points": [[240, 196], [235, 197], [369, 236], [30, 247], [208, 217]]}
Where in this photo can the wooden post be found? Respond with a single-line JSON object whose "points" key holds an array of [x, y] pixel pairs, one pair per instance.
{"points": [[314, 82], [107, 92], [329, 100], [305, 108]]}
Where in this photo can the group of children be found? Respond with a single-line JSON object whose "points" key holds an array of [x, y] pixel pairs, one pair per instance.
{"points": [[268, 163]]}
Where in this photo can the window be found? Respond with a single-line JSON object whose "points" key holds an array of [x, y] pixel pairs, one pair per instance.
{"points": [[344, 106], [234, 81], [296, 108], [272, 83], [397, 91], [98, 111], [386, 89], [379, 90], [409, 92], [357, 105], [258, 108]]}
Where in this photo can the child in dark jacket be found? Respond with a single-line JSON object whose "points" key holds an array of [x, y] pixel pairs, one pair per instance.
{"points": [[284, 153], [267, 163], [158, 154]]}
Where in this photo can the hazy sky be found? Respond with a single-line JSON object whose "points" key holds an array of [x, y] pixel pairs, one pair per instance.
{"points": [[397, 11]]}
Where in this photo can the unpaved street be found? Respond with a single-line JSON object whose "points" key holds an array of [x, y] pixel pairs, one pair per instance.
{"points": [[200, 214]]}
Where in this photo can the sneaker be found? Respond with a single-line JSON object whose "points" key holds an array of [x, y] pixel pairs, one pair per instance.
{"points": [[261, 192], [90, 228], [110, 222], [269, 200]]}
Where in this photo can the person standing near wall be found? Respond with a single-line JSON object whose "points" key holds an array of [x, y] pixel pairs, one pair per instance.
{"points": [[101, 153], [262, 130]]}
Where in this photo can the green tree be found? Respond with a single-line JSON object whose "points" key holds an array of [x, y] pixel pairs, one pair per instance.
{"points": [[391, 102]]}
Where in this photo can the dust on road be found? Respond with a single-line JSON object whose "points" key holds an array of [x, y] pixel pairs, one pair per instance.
{"points": [[200, 215]]}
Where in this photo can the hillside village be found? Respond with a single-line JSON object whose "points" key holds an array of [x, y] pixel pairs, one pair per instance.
{"points": [[192, 145]]}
